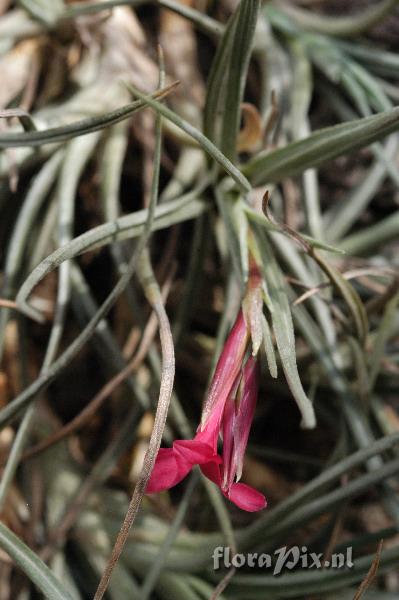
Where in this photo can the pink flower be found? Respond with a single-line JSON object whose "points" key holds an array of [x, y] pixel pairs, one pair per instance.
{"points": [[229, 411]]}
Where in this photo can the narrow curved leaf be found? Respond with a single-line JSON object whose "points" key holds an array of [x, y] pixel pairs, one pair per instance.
{"points": [[82, 127], [284, 332], [239, 62], [215, 88], [199, 137], [227, 78], [348, 293], [128, 226], [320, 147], [47, 11], [339, 26], [32, 565], [202, 21]]}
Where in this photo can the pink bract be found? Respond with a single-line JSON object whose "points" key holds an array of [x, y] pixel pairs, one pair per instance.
{"points": [[229, 411]]}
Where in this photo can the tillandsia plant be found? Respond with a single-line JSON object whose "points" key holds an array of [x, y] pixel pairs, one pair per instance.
{"points": [[234, 190], [228, 411]]}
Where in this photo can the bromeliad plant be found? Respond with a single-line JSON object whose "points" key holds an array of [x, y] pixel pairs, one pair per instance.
{"points": [[215, 181], [228, 411], [230, 404]]}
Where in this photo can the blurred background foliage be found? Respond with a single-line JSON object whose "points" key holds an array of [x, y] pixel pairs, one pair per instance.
{"points": [[293, 97]]}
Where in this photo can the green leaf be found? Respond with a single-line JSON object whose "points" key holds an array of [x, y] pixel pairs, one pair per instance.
{"points": [[240, 223], [340, 26], [128, 226], [380, 61], [320, 147], [384, 331], [202, 21], [240, 55], [214, 102], [348, 293], [236, 226], [47, 11], [32, 565], [25, 118], [366, 240], [82, 127], [224, 205], [360, 368], [310, 582], [260, 219], [284, 332], [173, 585], [227, 78], [269, 348], [199, 137]]}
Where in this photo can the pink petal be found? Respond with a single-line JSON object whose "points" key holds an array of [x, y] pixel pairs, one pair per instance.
{"points": [[246, 497], [245, 413], [227, 368], [212, 471], [193, 451], [167, 471], [210, 433], [229, 467]]}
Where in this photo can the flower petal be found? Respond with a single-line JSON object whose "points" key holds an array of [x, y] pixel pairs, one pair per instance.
{"points": [[209, 434], [212, 471], [194, 451], [229, 467], [168, 470], [246, 408], [246, 497], [227, 368]]}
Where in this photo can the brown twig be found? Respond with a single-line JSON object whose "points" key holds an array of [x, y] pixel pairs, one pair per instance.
{"points": [[8, 304], [376, 304], [154, 297], [165, 393], [348, 275], [282, 226], [371, 573], [221, 586]]}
